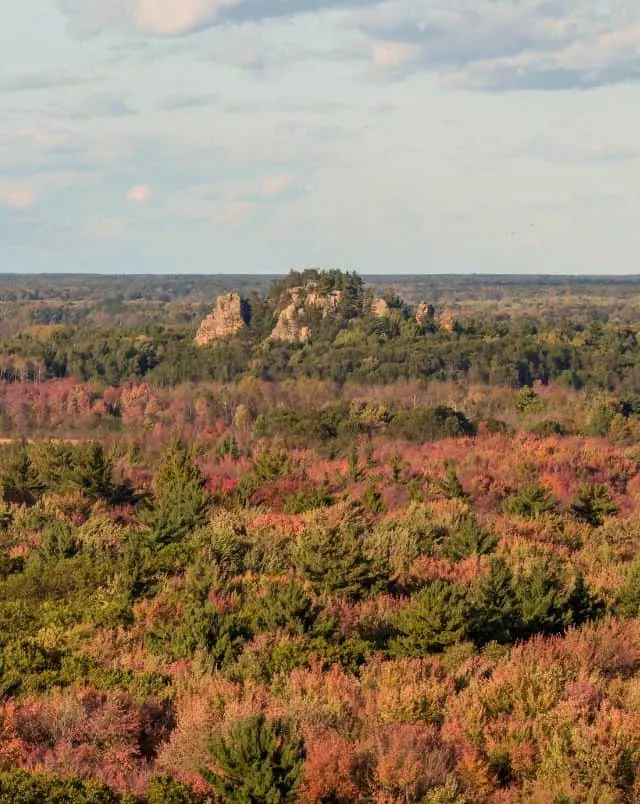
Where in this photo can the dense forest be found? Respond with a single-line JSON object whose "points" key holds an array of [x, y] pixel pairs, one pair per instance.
{"points": [[397, 562], [575, 334]]}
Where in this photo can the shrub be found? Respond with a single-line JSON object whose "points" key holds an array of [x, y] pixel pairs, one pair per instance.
{"points": [[21, 787], [429, 424]]}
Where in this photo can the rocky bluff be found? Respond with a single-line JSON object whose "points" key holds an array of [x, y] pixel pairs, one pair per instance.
{"points": [[300, 306]]}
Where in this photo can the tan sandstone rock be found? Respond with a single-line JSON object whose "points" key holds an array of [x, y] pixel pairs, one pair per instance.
{"points": [[424, 311], [380, 308], [290, 325], [229, 317]]}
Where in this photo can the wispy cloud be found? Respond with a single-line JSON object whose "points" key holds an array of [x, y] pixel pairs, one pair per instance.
{"points": [[588, 151], [16, 195], [489, 45], [166, 18], [102, 105], [276, 186], [501, 45], [34, 82], [139, 194], [186, 100]]}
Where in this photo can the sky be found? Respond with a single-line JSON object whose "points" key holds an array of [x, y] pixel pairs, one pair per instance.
{"points": [[383, 136]]}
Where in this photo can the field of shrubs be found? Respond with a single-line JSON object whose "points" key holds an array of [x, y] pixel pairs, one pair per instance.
{"points": [[258, 593]]}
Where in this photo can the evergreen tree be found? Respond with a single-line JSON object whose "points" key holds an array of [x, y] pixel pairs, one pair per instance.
{"points": [[494, 608], [180, 501], [628, 603], [531, 502], [468, 539], [436, 618], [92, 473], [259, 762], [581, 604], [451, 486], [19, 479], [221, 635], [333, 560], [285, 606], [546, 605], [593, 503]]}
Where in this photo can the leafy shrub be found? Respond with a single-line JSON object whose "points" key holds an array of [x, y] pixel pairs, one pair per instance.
{"points": [[430, 424], [21, 787]]}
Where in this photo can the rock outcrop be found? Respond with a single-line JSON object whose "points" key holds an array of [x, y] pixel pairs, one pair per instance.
{"points": [[446, 322], [424, 312], [291, 325], [380, 308], [229, 317]]}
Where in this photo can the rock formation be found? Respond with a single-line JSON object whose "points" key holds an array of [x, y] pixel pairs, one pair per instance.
{"points": [[423, 312], [291, 326], [229, 317], [446, 322], [380, 308]]}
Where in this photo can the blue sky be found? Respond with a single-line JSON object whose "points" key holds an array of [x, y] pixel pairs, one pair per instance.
{"points": [[404, 136]]}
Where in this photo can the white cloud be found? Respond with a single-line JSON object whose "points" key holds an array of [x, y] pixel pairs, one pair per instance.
{"points": [[485, 45], [17, 195], [390, 55], [236, 212], [138, 194], [277, 185], [174, 17], [505, 45], [165, 18]]}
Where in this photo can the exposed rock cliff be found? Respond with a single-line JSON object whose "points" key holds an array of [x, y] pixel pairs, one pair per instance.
{"points": [[229, 317], [446, 322], [291, 325], [424, 311], [380, 308]]}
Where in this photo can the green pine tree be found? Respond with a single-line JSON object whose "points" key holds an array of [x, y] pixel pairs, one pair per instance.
{"points": [[259, 762], [593, 503], [494, 606], [334, 561], [221, 636], [436, 618], [180, 500], [628, 603], [547, 605], [466, 538], [19, 479], [92, 473], [451, 486], [531, 502], [285, 606]]}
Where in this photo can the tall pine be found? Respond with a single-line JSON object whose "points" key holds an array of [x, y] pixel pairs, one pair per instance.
{"points": [[259, 762], [180, 500]]}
